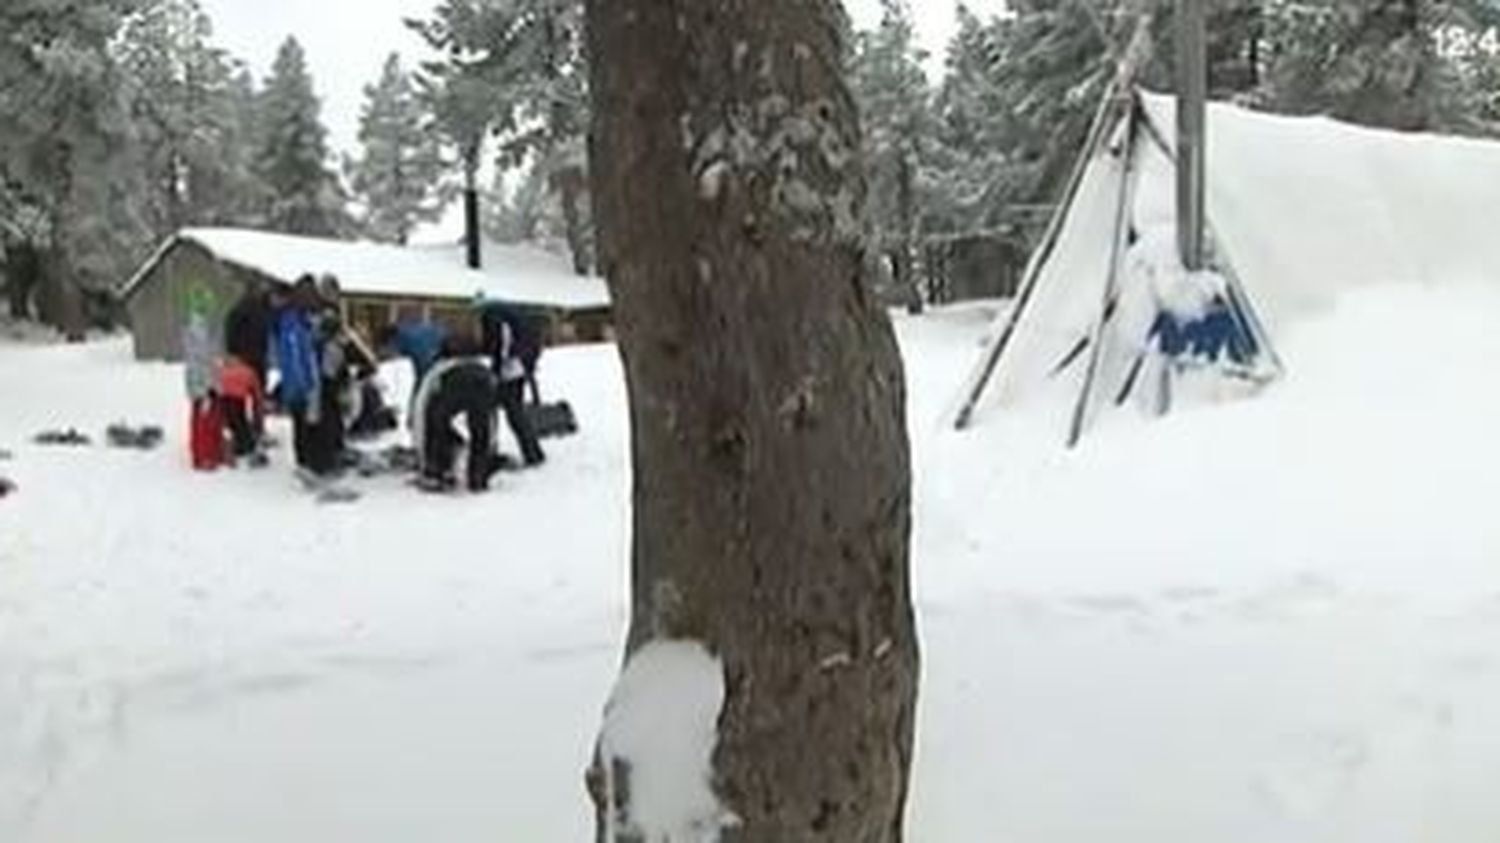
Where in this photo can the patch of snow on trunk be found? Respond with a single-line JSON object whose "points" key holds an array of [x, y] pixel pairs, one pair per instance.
{"points": [[660, 729]]}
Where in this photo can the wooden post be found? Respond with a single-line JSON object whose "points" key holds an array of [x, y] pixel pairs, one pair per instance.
{"points": [[1192, 94], [1118, 244], [471, 207]]}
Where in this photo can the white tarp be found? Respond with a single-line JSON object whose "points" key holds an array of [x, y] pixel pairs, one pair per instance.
{"points": [[1303, 209]]}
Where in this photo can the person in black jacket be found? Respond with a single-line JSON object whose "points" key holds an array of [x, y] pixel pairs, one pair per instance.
{"points": [[247, 329], [513, 343], [453, 387]]}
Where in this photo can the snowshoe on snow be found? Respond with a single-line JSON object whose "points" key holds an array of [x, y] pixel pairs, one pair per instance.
{"points": [[325, 488], [435, 485], [69, 437], [337, 494], [144, 438]]}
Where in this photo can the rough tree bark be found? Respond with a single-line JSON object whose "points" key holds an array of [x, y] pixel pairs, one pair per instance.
{"points": [[906, 214], [23, 267], [569, 182], [772, 481]]}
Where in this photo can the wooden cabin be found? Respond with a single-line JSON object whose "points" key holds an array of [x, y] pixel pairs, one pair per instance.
{"points": [[380, 284]]}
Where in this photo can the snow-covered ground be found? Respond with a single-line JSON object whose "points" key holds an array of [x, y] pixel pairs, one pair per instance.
{"points": [[1276, 620]]}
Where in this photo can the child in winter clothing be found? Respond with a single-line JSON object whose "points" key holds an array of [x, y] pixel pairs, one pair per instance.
{"points": [[243, 403], [200, 354]]}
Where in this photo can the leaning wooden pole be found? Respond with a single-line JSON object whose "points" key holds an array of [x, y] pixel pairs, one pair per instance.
{"points": [[1192, 124], [1118, 243], [1103, 119], [1120, 90]]}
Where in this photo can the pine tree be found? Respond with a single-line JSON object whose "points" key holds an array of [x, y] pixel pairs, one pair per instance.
{"points": [[554, 98], [399, 178], [184, 103], [70, 203], [305, 196], [462, 92], [1404, 64], [514, 69], [970, 176], [246, 195], [898, 131]]}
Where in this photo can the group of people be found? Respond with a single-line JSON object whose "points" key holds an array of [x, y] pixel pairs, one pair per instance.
{"points": [[465, 378], [325, 381]]}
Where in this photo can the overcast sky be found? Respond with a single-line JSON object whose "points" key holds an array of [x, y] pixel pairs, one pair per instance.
{"points": [[347, 40]]}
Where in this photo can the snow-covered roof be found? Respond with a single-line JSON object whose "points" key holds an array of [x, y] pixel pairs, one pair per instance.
{"points": [[522, 274]]}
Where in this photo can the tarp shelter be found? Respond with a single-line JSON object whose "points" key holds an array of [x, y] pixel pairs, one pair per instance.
{"points": [[1299, 209]]}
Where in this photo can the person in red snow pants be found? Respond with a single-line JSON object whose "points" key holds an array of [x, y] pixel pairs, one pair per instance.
{"points": [[242, 402]]}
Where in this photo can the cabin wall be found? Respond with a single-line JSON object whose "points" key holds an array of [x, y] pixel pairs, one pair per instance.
{"points": [[158, 307], [367, 313]]}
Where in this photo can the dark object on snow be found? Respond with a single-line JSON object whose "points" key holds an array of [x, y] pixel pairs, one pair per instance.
{"points": [[506, 462], [337, 494], [510, 397], [69, 437], [6, 455], [552, 419], [372, 416], [144, 438], [396, 459], [6, 487], [255, 459]]}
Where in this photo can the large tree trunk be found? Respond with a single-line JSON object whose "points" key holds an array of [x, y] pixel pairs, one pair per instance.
{"points": [[59, 298], [570, 184], [472, 235], [906, 214], [23, 271], [772, 486]]}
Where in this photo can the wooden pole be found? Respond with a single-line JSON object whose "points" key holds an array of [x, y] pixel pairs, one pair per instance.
{"points": [[471, 208], [1119, 98], [1192, 95], [1117, 246]]}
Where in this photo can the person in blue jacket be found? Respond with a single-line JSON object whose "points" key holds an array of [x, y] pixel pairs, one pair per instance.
{"points": [[293, 344], [419, 341]]}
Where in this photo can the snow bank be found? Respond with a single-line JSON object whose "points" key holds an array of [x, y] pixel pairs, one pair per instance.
{"points": [[1270, 621], [1307, 208], [510, 273], [662, 724]]}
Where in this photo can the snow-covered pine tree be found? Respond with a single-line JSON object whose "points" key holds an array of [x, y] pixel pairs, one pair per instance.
{"points": [[1405, 64], [895, 102], [70, 207], [183, 101], [552, 112], [463, 91], [969, 179], [246, 195], [399, 178], [515, 69], [305, 196]]}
